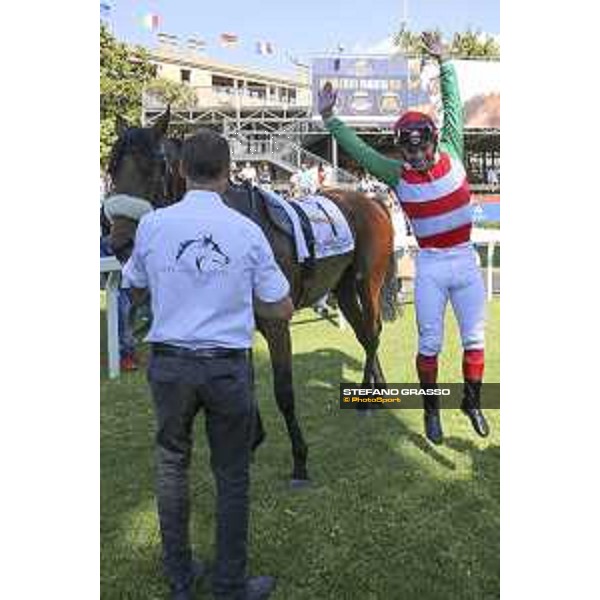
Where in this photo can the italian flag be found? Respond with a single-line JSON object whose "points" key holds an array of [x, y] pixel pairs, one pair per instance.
{"points": [[151, 22], [264, 47], [228, 40]]}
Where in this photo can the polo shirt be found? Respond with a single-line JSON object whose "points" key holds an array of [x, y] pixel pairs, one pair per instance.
{"points": [[203, 263]]}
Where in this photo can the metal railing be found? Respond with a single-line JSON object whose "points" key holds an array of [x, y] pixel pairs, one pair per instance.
{"points": [[286, 154], [228, 98]]}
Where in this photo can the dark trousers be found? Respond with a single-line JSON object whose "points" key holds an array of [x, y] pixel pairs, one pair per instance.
{"points": [[223, 387]]}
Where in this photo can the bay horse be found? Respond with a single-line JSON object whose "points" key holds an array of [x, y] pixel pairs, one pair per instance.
{"points": [[356, 278]]}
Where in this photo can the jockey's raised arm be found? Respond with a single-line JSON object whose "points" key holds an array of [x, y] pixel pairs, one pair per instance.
{"points": [[453, 128], [385, 169]]}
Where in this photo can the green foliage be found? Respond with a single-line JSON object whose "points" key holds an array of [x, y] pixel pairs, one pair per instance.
{"points": [[178, 95], [474, 44], [124, 72], [469, 44]]}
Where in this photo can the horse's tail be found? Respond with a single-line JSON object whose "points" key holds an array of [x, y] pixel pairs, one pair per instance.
{"points": [[388, 297]]}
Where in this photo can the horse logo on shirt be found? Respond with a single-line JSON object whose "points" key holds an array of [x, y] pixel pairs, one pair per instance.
{"points": [[209, 256]]}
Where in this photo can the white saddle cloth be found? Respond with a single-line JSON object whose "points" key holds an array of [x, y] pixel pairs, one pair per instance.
{"points": [[331, 231]]}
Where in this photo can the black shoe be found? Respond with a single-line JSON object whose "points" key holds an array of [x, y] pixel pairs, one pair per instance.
{"points": [[433, 426], [199, 570], [478, 421], [433, 421], [260, 587], [471, 406]]}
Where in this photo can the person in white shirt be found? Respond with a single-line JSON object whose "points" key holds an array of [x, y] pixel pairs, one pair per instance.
{"points": [[492, 176], [308, 180], [208, 269], [248, 173]]}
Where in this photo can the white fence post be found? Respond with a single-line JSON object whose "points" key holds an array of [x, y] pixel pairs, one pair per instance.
{"points": [[112, 266], [490, 269], [112, 321]]}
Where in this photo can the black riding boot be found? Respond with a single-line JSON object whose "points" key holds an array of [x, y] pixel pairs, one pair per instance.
{"points": [[471, 406], [433, 421]]}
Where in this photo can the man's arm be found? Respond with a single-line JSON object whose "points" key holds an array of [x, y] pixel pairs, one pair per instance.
{"points": [[282, 310], [452, 130], [386, 169], [269, 285]]}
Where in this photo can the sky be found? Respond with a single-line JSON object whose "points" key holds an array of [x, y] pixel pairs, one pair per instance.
{"points": [[297, 27]]}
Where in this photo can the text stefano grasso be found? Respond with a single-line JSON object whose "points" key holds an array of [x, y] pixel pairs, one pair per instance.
{"points": [[396, 392]]}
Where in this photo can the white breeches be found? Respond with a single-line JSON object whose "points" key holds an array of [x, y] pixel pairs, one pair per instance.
{"points": [[452, 274]]}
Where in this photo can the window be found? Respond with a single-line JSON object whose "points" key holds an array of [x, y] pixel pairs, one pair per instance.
{"points": [[186, 76], [222, 82], [257, 90]]}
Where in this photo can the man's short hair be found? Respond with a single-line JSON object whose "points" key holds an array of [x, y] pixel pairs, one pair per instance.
{"points": [[205, 155]]}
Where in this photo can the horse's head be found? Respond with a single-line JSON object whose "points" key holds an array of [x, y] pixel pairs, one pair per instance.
{"points": [[138, 165], [176, 184], [210, 257]]}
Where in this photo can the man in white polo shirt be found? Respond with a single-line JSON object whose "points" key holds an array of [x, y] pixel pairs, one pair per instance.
{"points": [[208, 268]]}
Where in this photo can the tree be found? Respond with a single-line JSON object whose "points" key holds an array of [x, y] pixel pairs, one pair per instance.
{"points": [[474, 44], [124, 72], [469, 44], [178, 95]]}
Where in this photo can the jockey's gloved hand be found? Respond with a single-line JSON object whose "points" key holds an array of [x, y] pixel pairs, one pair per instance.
{"points": [[432, 45], [327, 99]]}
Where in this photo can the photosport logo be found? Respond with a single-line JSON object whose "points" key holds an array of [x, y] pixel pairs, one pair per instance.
{"points": [[412, 395]]}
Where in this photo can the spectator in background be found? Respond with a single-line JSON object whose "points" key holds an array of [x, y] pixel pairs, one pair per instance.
{"points": [[248, 173], [321, 175], [364, 185], [234, 174], [295, 184], [307, 180], [328, 179], [264, 177], [127, 357], [492, 176]]}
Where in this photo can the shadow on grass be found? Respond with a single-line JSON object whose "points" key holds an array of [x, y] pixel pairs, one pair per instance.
{"points": [[388, 516]]}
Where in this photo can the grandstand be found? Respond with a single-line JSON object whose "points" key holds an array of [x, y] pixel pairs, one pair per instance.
{"points": [[269, 118]]}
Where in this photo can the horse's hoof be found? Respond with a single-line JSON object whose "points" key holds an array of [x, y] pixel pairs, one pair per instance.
{"points": [[298, 484]]}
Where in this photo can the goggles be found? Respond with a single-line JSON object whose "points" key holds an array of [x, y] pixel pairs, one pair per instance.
{"points": [[415, 136]]}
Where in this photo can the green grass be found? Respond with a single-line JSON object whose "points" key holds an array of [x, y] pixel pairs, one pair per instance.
{"points": [[388, 516]]}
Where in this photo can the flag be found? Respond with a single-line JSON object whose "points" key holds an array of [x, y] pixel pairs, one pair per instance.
{"points": [[196, 44], [151, 22], [105, 9], [228, 40], [264, 48]]}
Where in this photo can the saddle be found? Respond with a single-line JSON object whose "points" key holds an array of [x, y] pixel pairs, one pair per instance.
{"points": [[253, 198], [280, 219]]}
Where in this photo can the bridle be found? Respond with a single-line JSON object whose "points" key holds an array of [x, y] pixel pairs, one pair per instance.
{"points": [[159, 182]]}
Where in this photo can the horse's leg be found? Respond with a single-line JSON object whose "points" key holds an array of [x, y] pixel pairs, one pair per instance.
{"points": [[348, 300], [347, 294], [368, 293], [277, 334]]}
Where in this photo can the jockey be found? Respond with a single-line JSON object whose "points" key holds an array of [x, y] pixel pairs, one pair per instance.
{"points": [[432, 188]]}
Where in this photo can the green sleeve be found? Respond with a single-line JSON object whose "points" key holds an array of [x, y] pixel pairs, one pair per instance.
{"points": [[385, 169], [452, 131]]}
